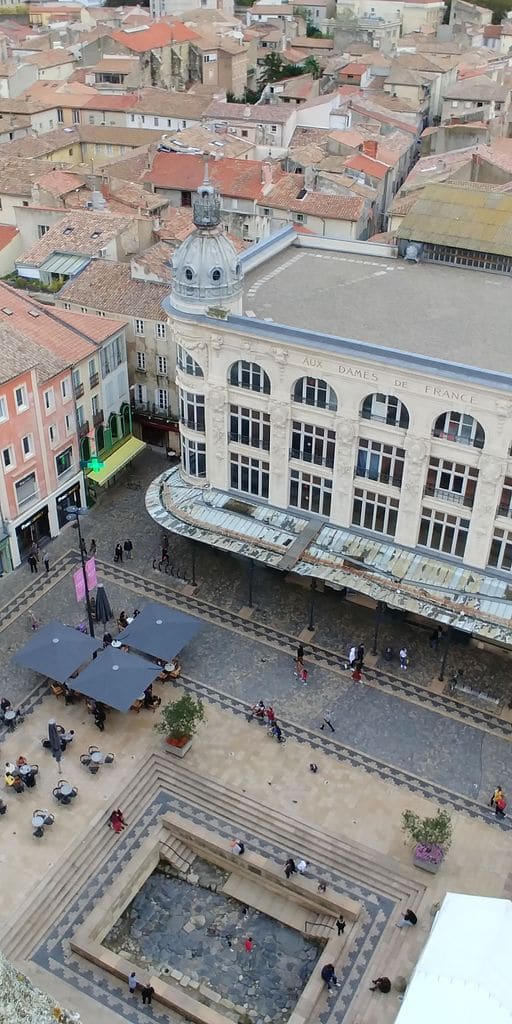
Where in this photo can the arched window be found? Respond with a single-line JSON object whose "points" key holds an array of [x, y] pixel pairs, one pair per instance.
{"points": [[250, 376], [114, 426], [100, 439], [125, 417], [385, 409], [312, 391], [459, 427], [186, 363]]}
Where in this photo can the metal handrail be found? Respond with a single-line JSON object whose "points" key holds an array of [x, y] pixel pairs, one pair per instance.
{"points": [[317, 924], [167, 846]]}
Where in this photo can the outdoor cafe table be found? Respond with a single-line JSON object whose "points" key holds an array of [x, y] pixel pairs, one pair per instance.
{"points": [[26, 769], [38, 821], [65, 789], [97, 757], [10, 717]]}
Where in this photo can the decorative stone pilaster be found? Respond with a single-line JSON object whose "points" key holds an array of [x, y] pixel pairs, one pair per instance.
{"points": [[279, 455], [487, 498], [217, 459], [411, 494], [347, 432]]}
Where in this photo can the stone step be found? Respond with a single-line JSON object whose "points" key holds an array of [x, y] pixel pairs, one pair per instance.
{"points": [[178, 854], [255, 895], [49, 900], [351, 859]]}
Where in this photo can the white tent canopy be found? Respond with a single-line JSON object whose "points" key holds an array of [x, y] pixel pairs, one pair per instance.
{"points": [[463, 973]]}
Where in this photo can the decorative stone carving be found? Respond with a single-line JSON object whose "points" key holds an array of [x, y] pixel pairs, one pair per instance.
{"points": [[216, 341], [280, 355], [279, 419]]}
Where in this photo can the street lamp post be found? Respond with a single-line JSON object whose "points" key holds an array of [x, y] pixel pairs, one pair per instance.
{"points": [[193, 562], [73, 512], [311, 623], [250, 579], [379, 610], [446, 648]]}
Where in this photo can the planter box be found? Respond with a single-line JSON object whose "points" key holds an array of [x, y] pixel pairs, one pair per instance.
{"points": [[426, 865], [178, 747]]}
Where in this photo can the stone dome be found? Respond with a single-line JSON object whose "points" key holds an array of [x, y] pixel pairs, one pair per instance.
{"points": [[206, 270]]}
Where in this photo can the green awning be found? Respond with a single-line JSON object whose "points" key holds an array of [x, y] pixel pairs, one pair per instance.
{"points": [[113, 463]]}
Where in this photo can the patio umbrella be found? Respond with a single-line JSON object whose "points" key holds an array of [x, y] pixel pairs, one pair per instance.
{"points": [[56, 651], [103, 609], [54, 739]]}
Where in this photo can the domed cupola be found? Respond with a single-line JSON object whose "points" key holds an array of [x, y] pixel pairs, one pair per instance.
{"points": [[206, 271]]}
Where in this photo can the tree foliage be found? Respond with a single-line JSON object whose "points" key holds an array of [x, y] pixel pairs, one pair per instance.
{"points": [[433, 831]]}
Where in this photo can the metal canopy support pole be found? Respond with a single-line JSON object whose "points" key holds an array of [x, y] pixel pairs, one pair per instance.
{"points": [[311, 623], [379, 609], [250, 581], [193, 543], [86, 585], [446, 648]]}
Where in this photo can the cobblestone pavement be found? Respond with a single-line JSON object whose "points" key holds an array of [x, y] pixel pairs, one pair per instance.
{"points": [[386, 717]]}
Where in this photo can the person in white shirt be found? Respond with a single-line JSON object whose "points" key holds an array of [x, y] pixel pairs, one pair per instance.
{"points": [[301, 866], [352, 656]]}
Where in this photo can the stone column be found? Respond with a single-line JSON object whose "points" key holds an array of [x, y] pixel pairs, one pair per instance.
{"points": [[411, 493], [347, 432], [487, 497], [279, 454]]}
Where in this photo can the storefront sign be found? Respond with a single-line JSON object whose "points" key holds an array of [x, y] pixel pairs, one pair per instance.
{"points": [[447, 394]]}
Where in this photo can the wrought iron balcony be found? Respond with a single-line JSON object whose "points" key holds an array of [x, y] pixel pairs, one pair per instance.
{"points": [[453, 496]]}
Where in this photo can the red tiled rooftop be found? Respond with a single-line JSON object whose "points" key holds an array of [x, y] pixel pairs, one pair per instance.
{"points": [[353, 69], [237, 178], [7, 233], [155, 36], [360, 162]]}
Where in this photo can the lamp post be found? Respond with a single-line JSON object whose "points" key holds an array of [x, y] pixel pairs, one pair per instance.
{"points": [[311, 623], [73, 512], [250, 580], [379, 611], [193, 553], [446, 648]]}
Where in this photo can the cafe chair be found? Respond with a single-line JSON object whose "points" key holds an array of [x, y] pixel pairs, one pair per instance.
{"points": [[57, 794], [85, 759], [93, 750], [108, 759], [57, 690], [38, 833], [35, 769], [93, 768], [49, 818]]}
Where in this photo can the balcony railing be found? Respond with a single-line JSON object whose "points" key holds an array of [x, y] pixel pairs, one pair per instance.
{"points": [[97, 418], [443, 435], [28, 499], [312, 458], [83, 428], [94, 380], [395, 479], [192, 423], [150, 411], [453, 496], [78, 390], [252, 442]]}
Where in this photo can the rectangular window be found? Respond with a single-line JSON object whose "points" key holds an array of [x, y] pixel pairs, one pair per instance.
{"points": [[42, 229], [141, 360], [139, 327], [382, 462], [505, 505], [312, 493], [160, 331], [249, 475], [451, 481], [313, 444], [155, 122], [192, 410], [64, 461], [501, 550], [4, 414], [443, 532], [8, 458], [65, 389], [193, 457], [112, 355], [162, 398], [70, 424], [140, 394], [49, 400], [53, 433], [75, 379], [20, 397], [80, 415], [27, 446], [161, 364], [95, 405], [26, 490], [60, 115], [249, 426], [377, 512]]}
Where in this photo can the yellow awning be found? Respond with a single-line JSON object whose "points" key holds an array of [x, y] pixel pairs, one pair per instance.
{"points": [[113, 463]]}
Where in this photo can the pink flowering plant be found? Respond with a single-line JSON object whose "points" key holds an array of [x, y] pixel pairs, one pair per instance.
{"points": [[432, 836]]}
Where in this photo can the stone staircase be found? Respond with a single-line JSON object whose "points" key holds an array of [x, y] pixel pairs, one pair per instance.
{"points": [[178, 855], [48, 902]]}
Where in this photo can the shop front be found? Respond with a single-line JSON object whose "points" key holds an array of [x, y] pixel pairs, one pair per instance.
{"points": [[34, 529], [5, 553], [71, 496]]}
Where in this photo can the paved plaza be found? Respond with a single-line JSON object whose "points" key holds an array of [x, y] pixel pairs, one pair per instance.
{"points": [[399, 742]]}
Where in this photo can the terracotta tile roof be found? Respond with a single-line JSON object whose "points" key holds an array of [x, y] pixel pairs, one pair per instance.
{"points": [[52, 340], [83, 232], [305, 42], [39, 145], [118, 135], [171, 104], [259, 113], [353, 69], [130, 168], [103, 101], [155, 260], [7, 233], [132, 195], [373, 168], [109, 286], [478, 88], [118, 64], [204, 140], [17, 176], [176, 224], [235, 178], [50, 58], [284, 196], [155, 36], [59, 183]]}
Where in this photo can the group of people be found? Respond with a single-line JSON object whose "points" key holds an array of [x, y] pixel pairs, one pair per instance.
{"points": [[127, 548], [498, 802], [20, 775], [300, 669], [33, 558], [116, 821], [147, 991], [99, 713], [265, 713]]}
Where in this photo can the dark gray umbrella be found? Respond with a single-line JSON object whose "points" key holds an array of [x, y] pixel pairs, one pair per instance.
{"points": [[56, 651], [55, 745], [160, 631], [103, 610], [116, 678]]}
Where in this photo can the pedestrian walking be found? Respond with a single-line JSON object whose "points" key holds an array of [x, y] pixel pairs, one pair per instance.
{"points": [[34, 550], [352, 657], [302, 866], [299, 660], [237, 847], [403, 658], [271, 718], [92, 548], [313, 768], [147, 992], [304, 675], [407, 920], [99, 717], [132, 983], [118, 553], [248, 945], [357, 675], [32, 561], [329, 976], [360, 654], [327, 720], [498, 802], [83, 547], [290, 867], [341, 924], [128, 548], [46, 561]]}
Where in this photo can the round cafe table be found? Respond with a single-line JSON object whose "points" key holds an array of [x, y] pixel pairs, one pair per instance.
{"points": [[25, 769], [116, 643], [9, 716], [66, 789], [38, 821], [97, 757]]}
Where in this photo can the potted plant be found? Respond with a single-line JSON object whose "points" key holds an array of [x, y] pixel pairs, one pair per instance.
{"points": [[432, 838], [179, 721]]}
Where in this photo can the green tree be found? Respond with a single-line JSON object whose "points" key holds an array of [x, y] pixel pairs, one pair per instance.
{"points": [[273, 68], [312, 67]]}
